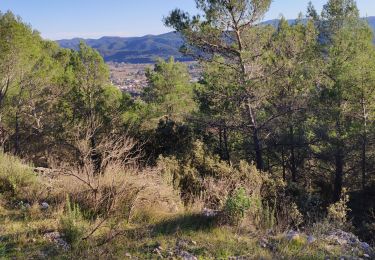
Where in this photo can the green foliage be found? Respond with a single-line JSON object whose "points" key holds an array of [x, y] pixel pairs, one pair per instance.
{"points": [[169, 93], [296, 99], [192, 170], [295, 216], [237, 205], [204, 178], [172, 138], [18, 181], [338, 212], [90, 94], [72, 224]]}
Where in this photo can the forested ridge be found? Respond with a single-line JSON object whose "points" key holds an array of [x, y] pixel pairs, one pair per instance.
{"points": [[147, 48], [270, 155]]}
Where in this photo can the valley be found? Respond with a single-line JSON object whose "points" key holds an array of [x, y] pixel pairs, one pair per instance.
{"points": [[261, 147], [131, 78]]}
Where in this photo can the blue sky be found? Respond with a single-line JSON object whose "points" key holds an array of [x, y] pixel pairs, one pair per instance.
{"points": [[58, 19]]}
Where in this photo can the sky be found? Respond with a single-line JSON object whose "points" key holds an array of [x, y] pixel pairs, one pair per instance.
{"points": [[65, 19]]}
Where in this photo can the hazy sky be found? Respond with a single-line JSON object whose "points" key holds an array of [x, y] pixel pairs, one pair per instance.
{"points": [[58, 19]]}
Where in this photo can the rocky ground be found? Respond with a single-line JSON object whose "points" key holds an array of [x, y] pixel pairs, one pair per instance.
{"points": [[335, 244]]}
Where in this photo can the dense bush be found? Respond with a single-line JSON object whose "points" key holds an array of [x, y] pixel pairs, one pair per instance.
{"points": [[338, 212], [18, 182], [237, 205], [203, 178]]}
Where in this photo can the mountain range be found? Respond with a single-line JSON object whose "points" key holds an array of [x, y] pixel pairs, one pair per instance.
{"points": [[145, 49]]}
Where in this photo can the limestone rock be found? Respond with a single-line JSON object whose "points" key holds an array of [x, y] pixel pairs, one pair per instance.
{"points": [[56, 238]]}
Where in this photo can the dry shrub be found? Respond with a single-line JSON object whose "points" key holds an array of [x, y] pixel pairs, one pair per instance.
{"points": [[94, 179], [202, 177], [116, 190], [155, 199], [119, 191], [289, 216], [217, 190]]}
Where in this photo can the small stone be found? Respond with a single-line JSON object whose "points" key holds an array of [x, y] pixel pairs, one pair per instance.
{"points": [[311, 239], [365, 246], [56, 238], [182, 243], [187, 256], [366, 256], [210, 213], [44, 206], [128, 255], [264, 243], [156, 251], [193, 242]]}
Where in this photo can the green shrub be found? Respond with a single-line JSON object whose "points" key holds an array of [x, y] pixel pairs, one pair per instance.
{"points": [[236, 206], [267, 218], [205, 178], [338, 212], [18, 181], [295, 218], [72, 224]]}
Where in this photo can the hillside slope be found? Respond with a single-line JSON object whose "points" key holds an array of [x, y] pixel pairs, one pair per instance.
{"points": [[144, 49], [133, 49]]}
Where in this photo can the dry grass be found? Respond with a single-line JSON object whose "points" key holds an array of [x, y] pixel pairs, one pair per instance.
{"points": [[127, 210], [18, 182]]}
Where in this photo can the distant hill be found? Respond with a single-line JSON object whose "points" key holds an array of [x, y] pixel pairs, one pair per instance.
{"points": [[145, 49]]}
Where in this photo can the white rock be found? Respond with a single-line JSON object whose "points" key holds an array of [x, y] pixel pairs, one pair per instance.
{"points": [[311, 239], [44, 205], [210, 212], [187, 256], [365, 246], [56, 238]]}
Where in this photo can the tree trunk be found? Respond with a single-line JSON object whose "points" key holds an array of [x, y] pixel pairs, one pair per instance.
{"points": [[283, 162], [255, 135], [95, 157], [252, 117], [292, 155], [17, 137], [221, 143], [364, 162], [3, 92], [339, 159], [339, 173], [226, 147], [364, 142], [258, 150]]}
